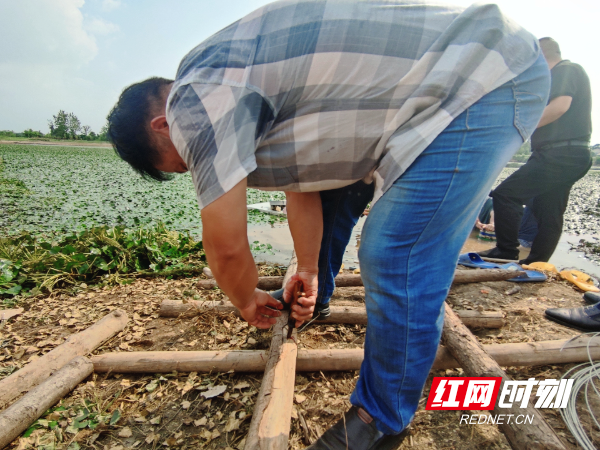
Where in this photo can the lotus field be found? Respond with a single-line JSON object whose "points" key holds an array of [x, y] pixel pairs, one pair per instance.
{"points": [[72, 215]]}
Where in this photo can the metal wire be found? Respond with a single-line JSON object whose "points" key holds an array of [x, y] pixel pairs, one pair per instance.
{"points": [[584, 375]]}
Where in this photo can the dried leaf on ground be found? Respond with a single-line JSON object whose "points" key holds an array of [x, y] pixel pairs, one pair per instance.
{"points": [[200, 422], [214, 391], [232, 424], [300, 398], [125, 432]]}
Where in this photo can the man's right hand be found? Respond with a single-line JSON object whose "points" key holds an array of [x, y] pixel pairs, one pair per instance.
{"points": [[303, 311]]}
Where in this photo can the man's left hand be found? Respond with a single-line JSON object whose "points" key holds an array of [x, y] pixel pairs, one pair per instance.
{"points": [[261, 310]]}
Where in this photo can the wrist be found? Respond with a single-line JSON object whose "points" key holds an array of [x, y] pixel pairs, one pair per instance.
{"points": [[242, 303], [308, 268]]}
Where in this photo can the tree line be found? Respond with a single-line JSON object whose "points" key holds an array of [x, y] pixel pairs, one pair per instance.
{"points": [[63, 125]]}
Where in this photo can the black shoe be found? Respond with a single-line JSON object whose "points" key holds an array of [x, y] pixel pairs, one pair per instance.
{"points": [[321, 311], [357, 431], [585, 318], [496, 253], [591, 297]]}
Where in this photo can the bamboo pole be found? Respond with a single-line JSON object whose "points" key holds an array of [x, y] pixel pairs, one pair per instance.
{"points": [[272, 415], [18, 417], [476, 362], [561, 351], [339, 314], [76, 345], [351, 280]]}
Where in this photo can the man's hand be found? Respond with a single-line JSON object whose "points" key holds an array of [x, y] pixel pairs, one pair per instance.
{"points": [[303, 311], [260, 310]]}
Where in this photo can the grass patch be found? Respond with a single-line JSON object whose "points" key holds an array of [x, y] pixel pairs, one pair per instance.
{"points": [[30, 264]]}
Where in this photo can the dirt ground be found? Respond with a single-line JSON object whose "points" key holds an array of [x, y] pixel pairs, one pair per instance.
{"points": [[213, 411]]}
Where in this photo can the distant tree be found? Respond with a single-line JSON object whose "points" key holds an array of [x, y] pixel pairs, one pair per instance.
{"points": [[85, 132], [92, 136], [523, 153], [7, 133], [103, 133], [59, 125], [29, 133], [597, 161], [73, 125], [64, 125]]}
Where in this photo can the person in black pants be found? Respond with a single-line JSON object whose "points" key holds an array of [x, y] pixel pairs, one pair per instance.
{"points": [[560, 157]]}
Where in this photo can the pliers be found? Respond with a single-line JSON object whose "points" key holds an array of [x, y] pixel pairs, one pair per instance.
{"points": [[297, 292]]}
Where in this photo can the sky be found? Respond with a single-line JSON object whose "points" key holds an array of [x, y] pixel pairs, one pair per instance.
{"points": [[78, 55]]}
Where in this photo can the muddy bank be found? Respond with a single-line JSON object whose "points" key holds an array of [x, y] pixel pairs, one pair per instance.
{"points": [[582, 223]]}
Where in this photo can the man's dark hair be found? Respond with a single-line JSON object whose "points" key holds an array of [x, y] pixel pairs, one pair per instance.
{"points": [[550, 47], [128, 126]]}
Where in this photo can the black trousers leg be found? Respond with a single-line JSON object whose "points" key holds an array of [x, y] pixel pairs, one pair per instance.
{"points": [[547, 177], [510, 196], [549, 210]]}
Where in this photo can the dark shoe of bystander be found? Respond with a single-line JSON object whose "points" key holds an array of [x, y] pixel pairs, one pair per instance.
{"points": [[496, 253], [584, 318], [591, 297], [357, 431]]}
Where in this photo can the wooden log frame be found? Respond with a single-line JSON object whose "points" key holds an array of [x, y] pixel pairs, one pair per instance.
{"points": [[476, 362], [19, 416], [78, 344], [351, 280], [272, 415], [562, 351], [339, 314]]}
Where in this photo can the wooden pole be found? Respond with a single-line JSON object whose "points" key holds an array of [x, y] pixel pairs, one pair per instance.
{"points": [[476, 362], [264, 283], [562, 351], [477, 276], [351, 280], [272, 416], [76, 345], [498, 260], [18, 417], [339, 314]]}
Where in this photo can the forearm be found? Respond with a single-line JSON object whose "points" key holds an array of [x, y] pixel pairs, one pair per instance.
{"points": [[234, 270], [305, 217], [225, 238], [554, 110]]}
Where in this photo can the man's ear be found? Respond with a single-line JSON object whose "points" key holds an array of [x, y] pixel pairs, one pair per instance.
{"points": [[160, 125]]}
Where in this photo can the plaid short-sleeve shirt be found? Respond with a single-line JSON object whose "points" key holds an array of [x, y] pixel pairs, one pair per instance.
{"points": [[308, 95]]}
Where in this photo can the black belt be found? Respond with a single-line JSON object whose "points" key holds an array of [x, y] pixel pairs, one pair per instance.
{"points": [[572, 142]]}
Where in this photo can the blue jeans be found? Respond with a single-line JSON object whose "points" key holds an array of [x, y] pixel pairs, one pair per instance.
{"points": [[413, 235], [341, 210]]}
